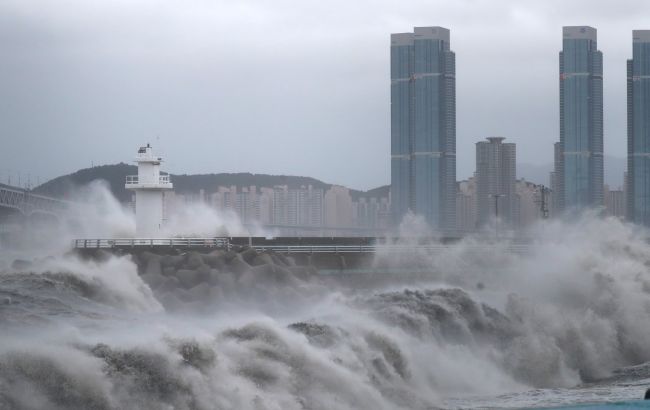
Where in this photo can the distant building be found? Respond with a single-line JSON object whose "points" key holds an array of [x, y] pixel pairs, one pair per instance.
{"points": [[298, 207], [310, 206], [529, 203], [466, 214], [251, 204], [338, 207], [423, 127], [304, 211], [614, 202], [495, 181], [371, 213], [580, 172], [556, 181], [638, 129]]}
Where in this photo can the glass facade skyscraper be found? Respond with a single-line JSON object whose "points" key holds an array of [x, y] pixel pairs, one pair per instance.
{"points": [[638, 129], [581, 120], [423, 127]]}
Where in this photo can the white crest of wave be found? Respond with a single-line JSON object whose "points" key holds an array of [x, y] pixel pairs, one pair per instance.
{"points": [[115, 280]]}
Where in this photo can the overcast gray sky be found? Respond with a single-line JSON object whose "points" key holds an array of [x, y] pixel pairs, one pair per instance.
{"points": [[282, 87]]}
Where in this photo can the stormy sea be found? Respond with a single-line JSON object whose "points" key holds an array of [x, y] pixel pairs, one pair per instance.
{"points": [[564, 323]]}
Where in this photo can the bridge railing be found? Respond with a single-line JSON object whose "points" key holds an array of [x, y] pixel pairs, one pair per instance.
{"points": [[224, 243], [433, 248], [316, 248], [150, 242]]}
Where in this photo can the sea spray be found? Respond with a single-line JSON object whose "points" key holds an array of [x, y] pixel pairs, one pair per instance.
{"points": [[259, 332]]}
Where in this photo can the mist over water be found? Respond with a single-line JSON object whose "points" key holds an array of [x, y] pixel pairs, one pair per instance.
{"points": [[478, 325]]}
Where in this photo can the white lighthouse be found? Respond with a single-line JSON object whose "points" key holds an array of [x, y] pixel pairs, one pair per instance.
{"points": [[149, 187]]}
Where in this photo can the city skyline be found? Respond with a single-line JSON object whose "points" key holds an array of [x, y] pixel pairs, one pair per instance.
{"points": [[191, 92]]}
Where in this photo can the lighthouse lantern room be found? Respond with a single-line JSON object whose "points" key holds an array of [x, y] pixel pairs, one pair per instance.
{"points": [[149, 187]]}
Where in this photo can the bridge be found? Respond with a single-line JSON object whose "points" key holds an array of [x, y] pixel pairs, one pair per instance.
{"points": [[21, 209], [28, 203]]}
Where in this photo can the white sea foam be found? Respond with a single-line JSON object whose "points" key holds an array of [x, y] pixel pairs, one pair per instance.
{"points": [[480, 322]]}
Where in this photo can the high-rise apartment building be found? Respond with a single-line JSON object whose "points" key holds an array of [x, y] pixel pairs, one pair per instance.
{"points": [[297, 207], [466, 207], [337, 207], [423, 127], [556, 181], [581, 120], [496, 179], [614, 202], [638, 129]]}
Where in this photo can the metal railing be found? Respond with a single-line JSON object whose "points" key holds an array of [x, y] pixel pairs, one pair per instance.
{"points": [[150, 242], [435, 248], [316, 248], [134, 180], [224, 243]]}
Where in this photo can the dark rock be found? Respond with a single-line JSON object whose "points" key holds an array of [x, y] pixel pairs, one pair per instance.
{"points": [[146, 256], [203, 273], [214, 259], [102, 255], [200, 291], [170, 284], [238, 265], [193, 260], [262, 259], [249, 254], [279, 259], [283, 275], [153, 266], [188, 278], [171, 261], [262, 271], [154, 280], [227, 280], [228, 256], [300, 259], [169, 271]]}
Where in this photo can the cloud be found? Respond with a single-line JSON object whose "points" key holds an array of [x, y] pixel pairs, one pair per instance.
{"points": [[296, 87]]}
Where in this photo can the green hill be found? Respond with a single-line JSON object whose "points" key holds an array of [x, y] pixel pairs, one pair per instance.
{"points": [[115, 175]]}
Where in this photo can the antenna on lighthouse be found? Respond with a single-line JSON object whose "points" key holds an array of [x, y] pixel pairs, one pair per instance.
{"points": [[149, 186]]}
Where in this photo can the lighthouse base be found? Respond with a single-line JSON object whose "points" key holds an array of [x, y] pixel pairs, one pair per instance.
{"points": [[149, 213]]}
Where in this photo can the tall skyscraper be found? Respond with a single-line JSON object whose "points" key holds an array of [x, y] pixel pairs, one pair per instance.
{"points": [[581, 120], [423, 127], [556, 179], [638, 129], [496, 181]]}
